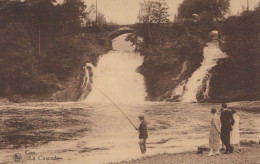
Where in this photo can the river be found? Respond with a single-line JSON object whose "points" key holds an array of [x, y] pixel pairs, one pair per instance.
{"points": [[98, 132]]}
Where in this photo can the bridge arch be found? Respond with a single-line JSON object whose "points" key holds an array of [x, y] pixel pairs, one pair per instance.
{"points": [[120, 31]]}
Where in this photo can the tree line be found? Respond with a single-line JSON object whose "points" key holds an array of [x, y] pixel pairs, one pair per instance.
{"points": [[42, 45]]}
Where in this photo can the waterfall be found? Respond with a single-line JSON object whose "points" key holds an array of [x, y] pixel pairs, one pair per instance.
{"points": [[115, 74], [188, 90], [86, 81]]}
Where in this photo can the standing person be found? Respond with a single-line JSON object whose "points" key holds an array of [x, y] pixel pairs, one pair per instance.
{"points": [[227, 121], [234, 135], [143, 135], [214, 136], [222, 145]]}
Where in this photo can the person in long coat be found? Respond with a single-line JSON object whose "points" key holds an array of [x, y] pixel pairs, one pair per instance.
{"points": [[143, 135], [227, 121]]}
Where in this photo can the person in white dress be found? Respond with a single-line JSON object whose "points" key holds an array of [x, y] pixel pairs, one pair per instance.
{"points": [[234, 135], [214, 136]]}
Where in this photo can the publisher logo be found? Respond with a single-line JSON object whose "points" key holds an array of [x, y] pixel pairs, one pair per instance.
{"points": [[17, 157]]}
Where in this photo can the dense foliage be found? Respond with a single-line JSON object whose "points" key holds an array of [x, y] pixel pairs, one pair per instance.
{"points": [[19, 67], [42, 45], [203, 8], [237, 78]]}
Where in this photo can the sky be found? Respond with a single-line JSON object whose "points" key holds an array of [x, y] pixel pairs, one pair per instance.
{"points": [[125, 11]]}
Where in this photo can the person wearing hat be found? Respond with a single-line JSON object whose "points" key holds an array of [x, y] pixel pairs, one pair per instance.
{"points": [[227, 121], [143, 135]]}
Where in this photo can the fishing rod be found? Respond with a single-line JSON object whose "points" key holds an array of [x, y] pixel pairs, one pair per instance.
{"points": [[116, 106]]}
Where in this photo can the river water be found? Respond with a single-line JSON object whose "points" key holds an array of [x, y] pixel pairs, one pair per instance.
{"points": [[98, 132]]}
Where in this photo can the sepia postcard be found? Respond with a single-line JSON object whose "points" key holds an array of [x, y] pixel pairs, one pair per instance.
{"points": [[129, 81]]}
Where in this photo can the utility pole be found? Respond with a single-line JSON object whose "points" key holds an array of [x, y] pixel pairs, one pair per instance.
{"points": [[96, 12], [247, 5], [39, 40], [96, 21]]}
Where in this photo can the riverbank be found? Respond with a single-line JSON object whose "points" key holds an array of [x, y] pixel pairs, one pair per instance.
{"points": [[247, 106], [248, 155]]}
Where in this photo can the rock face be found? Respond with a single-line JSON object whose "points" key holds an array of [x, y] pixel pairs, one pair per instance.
{"points": [[76, 88], [185, 80], [87, 80], [166, 68], [212, 79], [79, 86], [197, 86], [161, 80], [233, 82], [237, 78]]}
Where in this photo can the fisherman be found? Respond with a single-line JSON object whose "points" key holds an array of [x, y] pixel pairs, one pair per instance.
{"points": [[142, 133]]}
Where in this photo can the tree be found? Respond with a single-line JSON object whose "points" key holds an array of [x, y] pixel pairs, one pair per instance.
{"points": [[57, 30], [238, 76], [18, 70], [72, 13], [153, 12], [101, 20], [213, 8], [145, 16], [206, 14], [160, 15], [160, 12], [91, 13]]}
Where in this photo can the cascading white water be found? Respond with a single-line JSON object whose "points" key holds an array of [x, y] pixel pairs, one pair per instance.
{"points": [[116, 75], [86, 81], [188, 91], [211, 54]]}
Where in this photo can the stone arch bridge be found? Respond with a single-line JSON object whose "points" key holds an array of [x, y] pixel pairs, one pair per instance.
{"points": [[120, 31]]}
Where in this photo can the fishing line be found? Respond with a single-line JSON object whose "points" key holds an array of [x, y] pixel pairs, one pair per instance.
{"points": [[116, 106]]}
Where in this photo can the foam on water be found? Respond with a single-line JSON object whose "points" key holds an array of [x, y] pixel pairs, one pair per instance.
{"points": [[116, 75], [189, 90], [211, 54]]}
